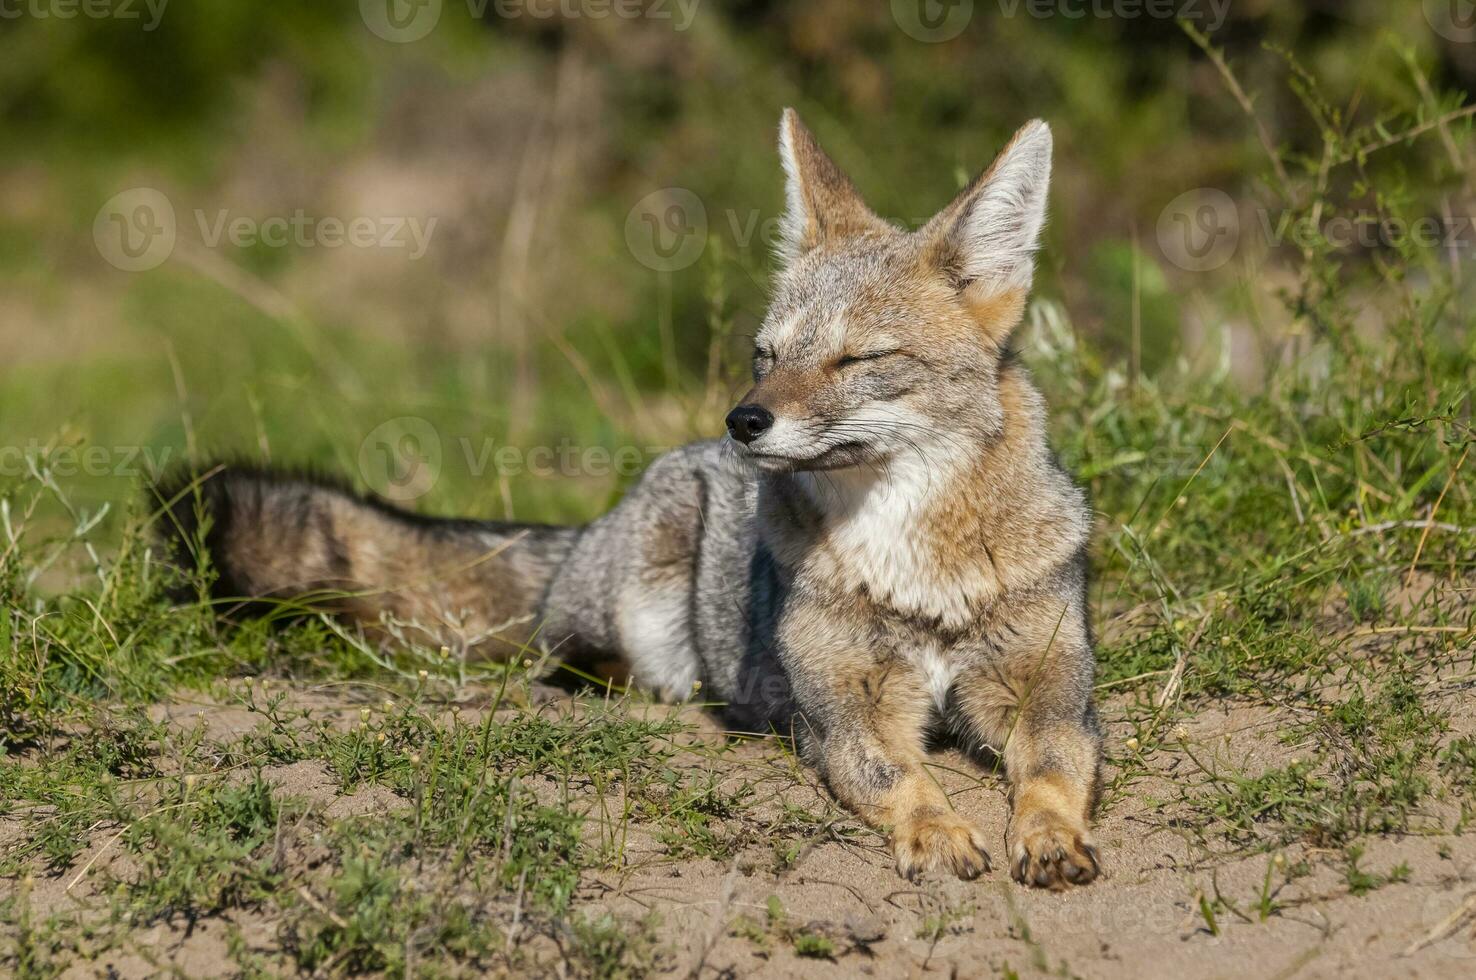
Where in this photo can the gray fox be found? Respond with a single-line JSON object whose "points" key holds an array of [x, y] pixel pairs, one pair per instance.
{"points": [[881, 553]]}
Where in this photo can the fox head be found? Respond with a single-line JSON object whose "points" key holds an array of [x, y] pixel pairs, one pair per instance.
{"points": [[881, 340]]}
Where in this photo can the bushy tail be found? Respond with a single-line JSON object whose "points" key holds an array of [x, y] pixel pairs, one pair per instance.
{"points": [[475, 585]]}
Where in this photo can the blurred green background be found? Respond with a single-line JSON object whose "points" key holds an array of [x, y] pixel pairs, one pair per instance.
{"points": [[534, 134]]}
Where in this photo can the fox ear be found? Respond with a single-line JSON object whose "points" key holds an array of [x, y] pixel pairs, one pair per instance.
{"points": [[821, 203], [985, 240]]}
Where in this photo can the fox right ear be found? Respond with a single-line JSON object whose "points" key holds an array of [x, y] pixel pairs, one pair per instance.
{"points": [[986, 239], [821, 203]]}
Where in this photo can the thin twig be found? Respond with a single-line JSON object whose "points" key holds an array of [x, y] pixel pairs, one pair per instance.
{"points": [[1463, 913], [1424, 536]]}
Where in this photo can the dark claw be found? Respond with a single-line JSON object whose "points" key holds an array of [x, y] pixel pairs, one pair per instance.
{"points": [[1091, 852]]}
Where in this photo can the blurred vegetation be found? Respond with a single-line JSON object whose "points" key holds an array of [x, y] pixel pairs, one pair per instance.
{"points": [[530, 138]]}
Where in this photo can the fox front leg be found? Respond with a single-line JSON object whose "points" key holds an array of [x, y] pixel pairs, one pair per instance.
{"points": [[862, 722], [1035, 708]]}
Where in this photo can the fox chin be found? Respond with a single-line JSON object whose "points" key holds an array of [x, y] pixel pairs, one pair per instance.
{"points": [[880, 551]]}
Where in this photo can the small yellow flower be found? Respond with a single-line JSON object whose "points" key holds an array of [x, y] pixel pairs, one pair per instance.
{"points": [[1279, 860], [190, 781], [381, 737], [422, 674], [527, 664], [1132, 744], [696, 685], [445, 653], [389, 705], [415, 758], [363, 714]]}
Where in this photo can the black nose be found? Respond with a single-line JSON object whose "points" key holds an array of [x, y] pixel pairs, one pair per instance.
{"points": [[747, 422]]}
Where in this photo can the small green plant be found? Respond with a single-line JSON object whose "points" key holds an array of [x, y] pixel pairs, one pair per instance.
{"points": [[1266, 899], [1207, 912], [1361, 882], [814, 946]]}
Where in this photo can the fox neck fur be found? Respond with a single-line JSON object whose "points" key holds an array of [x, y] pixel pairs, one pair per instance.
{"points": [[941, 530]]}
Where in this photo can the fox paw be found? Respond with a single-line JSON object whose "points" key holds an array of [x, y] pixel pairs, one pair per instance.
{"points": [[930, 841], [1048, 851]]}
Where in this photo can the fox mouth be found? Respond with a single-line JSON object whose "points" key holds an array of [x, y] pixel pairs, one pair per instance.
{"points": [[837, 457]]}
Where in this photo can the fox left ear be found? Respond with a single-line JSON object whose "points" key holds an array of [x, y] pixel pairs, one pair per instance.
{"points": [[985, 240], [821, 203]]}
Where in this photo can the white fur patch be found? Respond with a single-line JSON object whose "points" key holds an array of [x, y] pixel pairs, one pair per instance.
{"points": [[654, 633], [797, 217], [873, 518], [938, 672], [787, 437]]}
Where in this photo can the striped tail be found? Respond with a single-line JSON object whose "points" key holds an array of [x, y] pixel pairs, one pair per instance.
{"points": [[304, 540]]}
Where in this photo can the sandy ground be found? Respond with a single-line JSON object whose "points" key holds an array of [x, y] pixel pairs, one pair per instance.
{"points": [[1141, 919]]}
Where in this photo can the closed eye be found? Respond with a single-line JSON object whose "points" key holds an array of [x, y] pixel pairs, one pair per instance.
{"points": [[850, 359], [762, 361]]}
